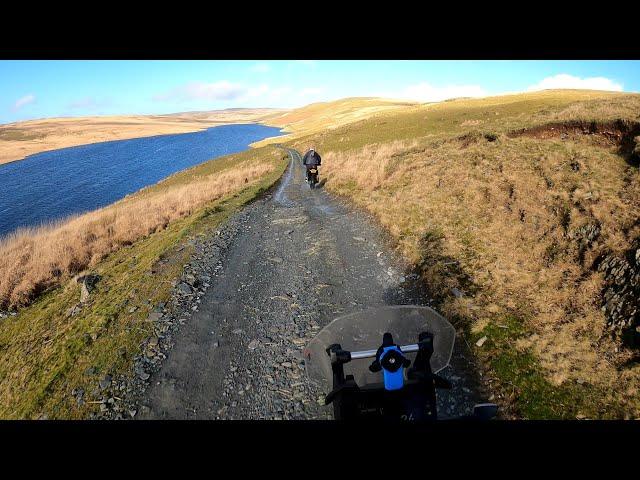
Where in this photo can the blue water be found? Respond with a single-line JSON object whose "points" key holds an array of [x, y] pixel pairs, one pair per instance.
{"points": [[52, 185]]}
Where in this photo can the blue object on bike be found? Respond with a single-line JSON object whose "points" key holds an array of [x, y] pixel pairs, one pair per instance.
{"points": [[393, 379]]}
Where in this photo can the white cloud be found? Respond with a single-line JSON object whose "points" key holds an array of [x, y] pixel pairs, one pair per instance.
{"points": [[261, 67], [221, 90], [564, 80], [23, 101], [425, 92]]}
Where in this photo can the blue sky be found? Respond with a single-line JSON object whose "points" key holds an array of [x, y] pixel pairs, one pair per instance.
{"points": [[39, 89]]}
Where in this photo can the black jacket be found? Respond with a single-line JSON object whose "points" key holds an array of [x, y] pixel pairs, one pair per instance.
{"points": [[311, 158]]}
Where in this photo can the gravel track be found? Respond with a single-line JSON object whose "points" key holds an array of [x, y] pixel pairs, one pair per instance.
{"points": [[275, 274]]}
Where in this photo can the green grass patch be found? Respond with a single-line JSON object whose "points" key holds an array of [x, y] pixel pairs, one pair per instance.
{"points": [[522, 381], [13, 134]]}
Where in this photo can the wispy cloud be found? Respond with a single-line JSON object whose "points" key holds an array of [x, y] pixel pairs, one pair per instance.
{"points": [[89, 103], [23, 101], [261, 67], [425, 92], [221, 90], [224, 90], [264, 94], [564, 80]]}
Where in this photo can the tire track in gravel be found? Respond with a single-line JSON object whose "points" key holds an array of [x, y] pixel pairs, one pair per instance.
{"points": [[297, 259]]}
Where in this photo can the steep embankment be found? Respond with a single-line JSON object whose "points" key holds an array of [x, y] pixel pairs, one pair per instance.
{"points": [[507, 207]]}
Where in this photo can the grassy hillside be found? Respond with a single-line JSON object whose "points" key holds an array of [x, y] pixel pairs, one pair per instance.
{"points": [[487, 196], [481, 206], [139, 246], [328, 115]]}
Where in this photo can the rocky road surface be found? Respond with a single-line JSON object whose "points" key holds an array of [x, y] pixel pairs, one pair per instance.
{"points": [[230, 344]]}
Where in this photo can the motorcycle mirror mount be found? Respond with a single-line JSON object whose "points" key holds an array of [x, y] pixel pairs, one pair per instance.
{"points": [[391, 360]]}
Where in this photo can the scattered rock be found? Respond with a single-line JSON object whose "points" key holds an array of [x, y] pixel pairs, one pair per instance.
{"points": [[105, 382], [184, 288], [74, 310], [621, 295], [87, 285], [457, 293]]}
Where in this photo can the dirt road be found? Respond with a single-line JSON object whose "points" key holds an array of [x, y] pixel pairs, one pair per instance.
{"points": [[297, 259]]}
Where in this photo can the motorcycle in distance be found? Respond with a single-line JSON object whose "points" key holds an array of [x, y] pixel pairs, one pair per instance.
{"points": [[312, 176], [400, 383]]}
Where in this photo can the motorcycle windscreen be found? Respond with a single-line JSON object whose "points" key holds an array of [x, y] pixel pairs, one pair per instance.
{"points": [[364, 330]]}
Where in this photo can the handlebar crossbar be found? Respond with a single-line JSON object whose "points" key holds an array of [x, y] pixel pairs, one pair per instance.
{"points": [[372, 353]]}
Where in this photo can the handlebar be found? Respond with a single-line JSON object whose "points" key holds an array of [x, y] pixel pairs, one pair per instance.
{"points": [[414, 347]]}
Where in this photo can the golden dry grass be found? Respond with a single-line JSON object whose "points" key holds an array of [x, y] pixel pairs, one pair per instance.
{"points": [[33, 260], [331, 114], [504, 210]]}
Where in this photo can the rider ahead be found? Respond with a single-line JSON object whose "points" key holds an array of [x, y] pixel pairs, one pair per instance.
{"points": [[311, 159]]}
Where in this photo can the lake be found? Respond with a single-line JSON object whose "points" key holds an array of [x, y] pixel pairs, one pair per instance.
{"points": [[55, 184]]}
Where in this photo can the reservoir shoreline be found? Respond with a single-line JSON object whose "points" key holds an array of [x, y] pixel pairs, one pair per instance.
{"points": [[50, 186]]}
